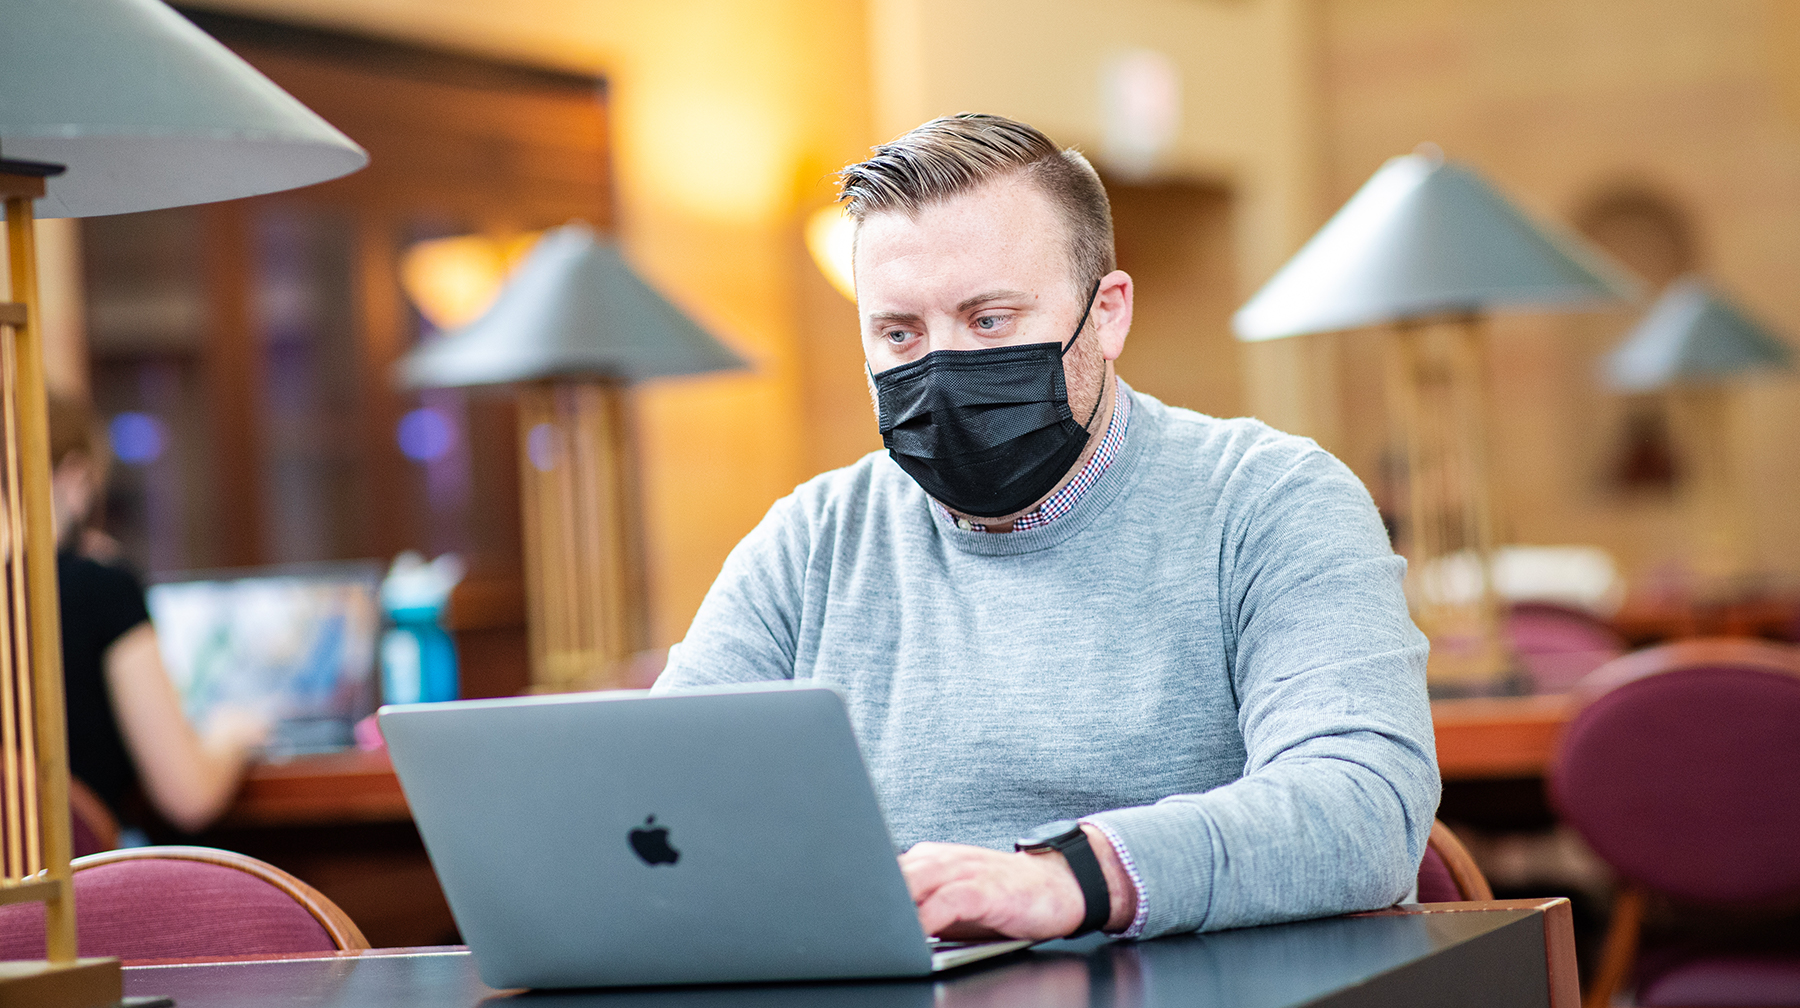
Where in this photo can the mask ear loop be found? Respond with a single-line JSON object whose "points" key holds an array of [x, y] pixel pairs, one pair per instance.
{"points": [[1084, 317], [1079, 326]]}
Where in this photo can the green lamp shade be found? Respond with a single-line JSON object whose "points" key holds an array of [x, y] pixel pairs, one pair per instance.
{"points": [[148, 111], [573, 309], [1426, 238], [1692, 336]]}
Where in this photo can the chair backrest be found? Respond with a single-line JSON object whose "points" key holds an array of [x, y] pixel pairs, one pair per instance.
{"points": [[1682, 770], [95, 828], [178, 902], [1447, 874], [92, 828], [1558, 645]]}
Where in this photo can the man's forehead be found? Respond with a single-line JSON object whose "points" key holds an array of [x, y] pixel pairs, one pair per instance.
{"points": [[995, 229], [1011, 202]]}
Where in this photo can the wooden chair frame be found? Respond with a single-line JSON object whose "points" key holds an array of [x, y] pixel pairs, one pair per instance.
{"points": [[1743, 652], [1624, 930], [337, 924], [1470, 882]]}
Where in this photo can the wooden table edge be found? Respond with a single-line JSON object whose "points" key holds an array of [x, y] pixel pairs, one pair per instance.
{"points": [[1559, 937], [262, 957]]}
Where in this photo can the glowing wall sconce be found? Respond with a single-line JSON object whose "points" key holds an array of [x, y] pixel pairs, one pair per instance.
{"points": [[453, 281], [831, 238]]}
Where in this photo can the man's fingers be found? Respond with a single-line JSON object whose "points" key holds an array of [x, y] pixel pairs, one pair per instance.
{"points": [[928, 866], [968, 892]]}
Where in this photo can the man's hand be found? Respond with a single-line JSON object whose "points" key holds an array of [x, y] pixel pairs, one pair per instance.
{"points": [[966, 892]]}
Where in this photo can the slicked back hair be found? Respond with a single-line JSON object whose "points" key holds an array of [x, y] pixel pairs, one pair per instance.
{"points": [[949, 156]]}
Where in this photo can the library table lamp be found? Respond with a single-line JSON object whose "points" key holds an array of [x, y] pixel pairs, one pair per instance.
{"points": [[106, 106], [1427, 249], [572, 329], [1691, 347]]}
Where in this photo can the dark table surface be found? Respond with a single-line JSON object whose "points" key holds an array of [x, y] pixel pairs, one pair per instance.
{"points": [[1494, 956]]}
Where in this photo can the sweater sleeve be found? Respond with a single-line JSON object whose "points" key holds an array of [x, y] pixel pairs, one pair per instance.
{"points": [[1340, 784], [748, 624]]}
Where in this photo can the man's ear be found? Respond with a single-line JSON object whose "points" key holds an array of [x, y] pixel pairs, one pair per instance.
{"points": [[1112, 313]]}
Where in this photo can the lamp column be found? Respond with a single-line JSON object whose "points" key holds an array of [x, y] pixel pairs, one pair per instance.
{"points": [[584, 558], [1718, 527], [34, 751], [1435, 383]]}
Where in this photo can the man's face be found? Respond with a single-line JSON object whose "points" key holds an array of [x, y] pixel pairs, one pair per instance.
{"points": [[984, 269]]}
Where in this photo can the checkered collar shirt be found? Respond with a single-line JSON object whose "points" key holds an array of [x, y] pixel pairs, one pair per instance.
{"points": [[1063, 501]]}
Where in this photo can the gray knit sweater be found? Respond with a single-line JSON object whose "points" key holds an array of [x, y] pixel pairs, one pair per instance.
{"points": [[1211, 651]]}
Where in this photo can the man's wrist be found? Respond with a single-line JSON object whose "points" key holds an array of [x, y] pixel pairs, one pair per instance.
{"points": [[1121, 888], [1071, 841]]}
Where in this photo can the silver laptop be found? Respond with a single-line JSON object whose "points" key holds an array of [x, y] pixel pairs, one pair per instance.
{"points": [[604, 839]]}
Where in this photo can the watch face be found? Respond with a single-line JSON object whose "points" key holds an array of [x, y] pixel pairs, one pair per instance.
{"points": [[1049, 831]]}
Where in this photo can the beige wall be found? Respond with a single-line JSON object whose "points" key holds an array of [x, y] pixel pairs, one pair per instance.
{"points": [[1249, 108], [730, 117], [1560, 103]]}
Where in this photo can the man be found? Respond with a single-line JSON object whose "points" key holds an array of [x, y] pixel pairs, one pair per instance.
{"points": [[1058, 599]]}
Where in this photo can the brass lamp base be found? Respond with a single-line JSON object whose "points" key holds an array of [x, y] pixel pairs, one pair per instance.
{"points": [[84, 983]]}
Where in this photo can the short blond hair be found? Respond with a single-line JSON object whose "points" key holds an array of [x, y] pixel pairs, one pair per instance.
{"points": [[949, 156]]}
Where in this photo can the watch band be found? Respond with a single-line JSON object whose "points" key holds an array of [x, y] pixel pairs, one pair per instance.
{"points": [[1085, 865]]}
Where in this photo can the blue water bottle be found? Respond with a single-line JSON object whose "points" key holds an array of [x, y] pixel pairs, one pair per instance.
{"points": [[418, 658]]}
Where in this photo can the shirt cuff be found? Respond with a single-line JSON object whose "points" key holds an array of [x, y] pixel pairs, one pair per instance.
{"points": [[1143, 903]]}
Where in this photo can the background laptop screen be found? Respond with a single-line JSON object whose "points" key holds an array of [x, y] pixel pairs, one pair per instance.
{"points": [[297, 643]]}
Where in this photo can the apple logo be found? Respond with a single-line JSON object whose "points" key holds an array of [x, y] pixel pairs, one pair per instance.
{"points": [[651, 842]]}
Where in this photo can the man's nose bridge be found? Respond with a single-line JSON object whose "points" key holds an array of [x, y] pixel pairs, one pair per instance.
{"points": [[950, 334]]}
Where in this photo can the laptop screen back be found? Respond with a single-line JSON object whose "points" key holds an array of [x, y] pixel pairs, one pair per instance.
{"points": [[599, 839]]}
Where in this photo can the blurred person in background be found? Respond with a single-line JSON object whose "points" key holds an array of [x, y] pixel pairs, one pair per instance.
{"points": [[126, 725]]}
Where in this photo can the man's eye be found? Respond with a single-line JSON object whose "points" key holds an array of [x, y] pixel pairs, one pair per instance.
{"points": [[988, 323], [898, 336]]}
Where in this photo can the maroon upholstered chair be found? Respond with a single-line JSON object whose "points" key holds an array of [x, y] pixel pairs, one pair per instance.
{"points": [[179, 902], [1682, 771], [95, 829], [1448, 874], [1559, 644]]}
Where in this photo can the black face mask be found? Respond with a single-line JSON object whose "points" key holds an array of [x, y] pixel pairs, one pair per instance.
{"points": [[986, 432]]}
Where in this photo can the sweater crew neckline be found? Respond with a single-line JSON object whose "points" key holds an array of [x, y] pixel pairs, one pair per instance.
{"points": [[1116, 482]]}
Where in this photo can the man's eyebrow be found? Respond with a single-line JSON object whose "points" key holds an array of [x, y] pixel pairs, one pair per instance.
{"points": [[963, 306], [985, 297]]}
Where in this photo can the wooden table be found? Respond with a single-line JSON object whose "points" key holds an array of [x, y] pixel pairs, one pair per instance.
{"points": [[1476, 739], [1502, 953], [325, 790], [1498, 737]]}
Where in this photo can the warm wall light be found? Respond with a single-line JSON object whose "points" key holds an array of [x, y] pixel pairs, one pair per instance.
{"points": [[830, 234], [453, 281]]}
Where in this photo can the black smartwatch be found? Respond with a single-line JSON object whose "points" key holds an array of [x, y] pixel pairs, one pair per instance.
{"points": [[1067, 836]]}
